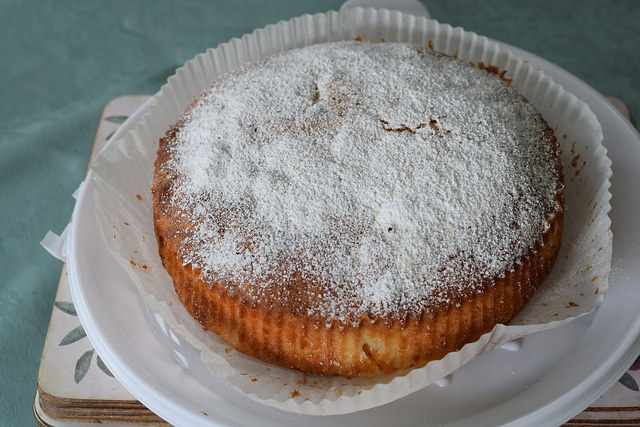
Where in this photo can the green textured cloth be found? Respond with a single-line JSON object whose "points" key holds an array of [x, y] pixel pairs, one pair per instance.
{"points": [[62, 61]]}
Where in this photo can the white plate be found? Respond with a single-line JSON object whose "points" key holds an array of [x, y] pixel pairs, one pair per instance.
{"points": [[553, 376]]}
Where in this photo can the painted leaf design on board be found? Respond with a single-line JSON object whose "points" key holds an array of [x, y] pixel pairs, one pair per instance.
{"points": [[635, 366], [82, 366], [66, 307], [103, 367], [76, 334], [116, 119], [628, 381]]}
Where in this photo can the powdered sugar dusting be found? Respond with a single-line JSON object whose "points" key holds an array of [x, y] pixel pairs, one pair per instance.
{"points": [[352, 178]]}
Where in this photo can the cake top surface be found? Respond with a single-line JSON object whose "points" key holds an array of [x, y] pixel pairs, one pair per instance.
{"points": [[349, 178]]}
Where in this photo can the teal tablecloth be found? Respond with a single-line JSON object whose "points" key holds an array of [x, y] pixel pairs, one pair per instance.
{"points": [[61, 61]]}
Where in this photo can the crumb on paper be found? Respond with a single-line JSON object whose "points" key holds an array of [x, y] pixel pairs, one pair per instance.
{"points": [[572, 304], [574, 160], [142, 266], [138, 196], [295, 393], [303, 381]]}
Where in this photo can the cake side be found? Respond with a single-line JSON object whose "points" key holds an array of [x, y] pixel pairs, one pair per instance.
{"points": [[372, 347]]}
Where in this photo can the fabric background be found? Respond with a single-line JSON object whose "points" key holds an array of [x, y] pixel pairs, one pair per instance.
{"points": [[62, 61]]}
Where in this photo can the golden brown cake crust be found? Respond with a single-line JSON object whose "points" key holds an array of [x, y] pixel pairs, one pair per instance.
{"points": [[276, 327]]}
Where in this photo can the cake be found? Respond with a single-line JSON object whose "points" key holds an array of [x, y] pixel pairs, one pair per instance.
{"points": [[357, 209]]}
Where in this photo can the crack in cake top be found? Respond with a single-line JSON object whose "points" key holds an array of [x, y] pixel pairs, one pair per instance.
{"points": [[349, 178]]}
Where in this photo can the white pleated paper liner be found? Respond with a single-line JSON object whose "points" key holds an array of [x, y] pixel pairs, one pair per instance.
{"points": [[122, 177]]}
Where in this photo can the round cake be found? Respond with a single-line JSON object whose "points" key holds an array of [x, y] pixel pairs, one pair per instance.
{"points": [[356, 208]]}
